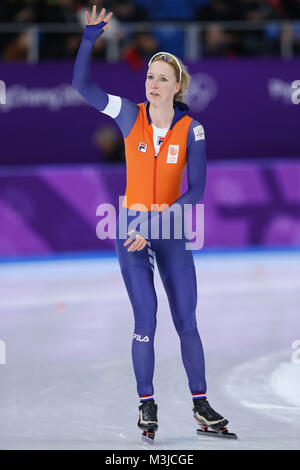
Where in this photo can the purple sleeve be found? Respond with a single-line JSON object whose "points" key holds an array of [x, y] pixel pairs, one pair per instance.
{"points": [[94, 95], [127, 117], [196, 174]]}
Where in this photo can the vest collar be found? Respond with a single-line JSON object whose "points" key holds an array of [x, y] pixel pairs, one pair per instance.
{"points": [[181, 110]]}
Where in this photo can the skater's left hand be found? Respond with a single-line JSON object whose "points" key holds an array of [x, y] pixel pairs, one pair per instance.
{"points": [[138, 244]]}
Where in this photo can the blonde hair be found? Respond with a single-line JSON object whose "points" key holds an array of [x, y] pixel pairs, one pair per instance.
{"points": [[185, 76]]}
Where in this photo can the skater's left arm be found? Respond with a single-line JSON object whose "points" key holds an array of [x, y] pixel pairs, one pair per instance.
{"points": [[196, 166], [196, 174]]}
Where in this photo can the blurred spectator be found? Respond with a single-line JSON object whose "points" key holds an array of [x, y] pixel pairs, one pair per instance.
{"points": [[99, 49], [52, 45], [17, 49], [9, 10], [141, 10], [19, 11], [173, 10], [71, 46], [260, 10], [277, 6], [58, 11], [250, 10], [59, 45], [219, 10], [256, 41], [110, 144], [265, 40], [218, 43], [127, 10], [38, 11], [14, 46], [291, 8], [143, 45]]}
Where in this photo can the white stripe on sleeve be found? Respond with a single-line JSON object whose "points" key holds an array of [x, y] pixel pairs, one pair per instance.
{"points": [[113, 106]]}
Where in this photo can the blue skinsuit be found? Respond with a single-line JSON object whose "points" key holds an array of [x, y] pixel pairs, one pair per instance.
{"points": [[174, 262]]}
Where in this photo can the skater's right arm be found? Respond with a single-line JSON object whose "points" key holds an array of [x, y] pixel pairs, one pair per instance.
{"points": [[122, 110]]}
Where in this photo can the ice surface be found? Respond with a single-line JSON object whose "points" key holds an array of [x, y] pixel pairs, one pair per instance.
{"points": [[68, 382]]}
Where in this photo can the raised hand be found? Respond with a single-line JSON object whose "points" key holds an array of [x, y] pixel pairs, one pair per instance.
{"points": [[94, 21]]}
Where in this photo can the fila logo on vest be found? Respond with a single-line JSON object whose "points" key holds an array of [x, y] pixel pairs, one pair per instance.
{"points": [[142, 147], [139, 338], [160, 140]]}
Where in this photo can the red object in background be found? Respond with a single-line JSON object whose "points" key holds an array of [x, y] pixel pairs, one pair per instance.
{"points": [[276, 5], [133, 58]]}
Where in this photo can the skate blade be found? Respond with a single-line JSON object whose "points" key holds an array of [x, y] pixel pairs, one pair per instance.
{"points": [[148, 437], [220, 433]]}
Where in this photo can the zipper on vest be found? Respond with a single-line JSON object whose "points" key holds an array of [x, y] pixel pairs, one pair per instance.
{"points": [[155, 164], [154, 179]]}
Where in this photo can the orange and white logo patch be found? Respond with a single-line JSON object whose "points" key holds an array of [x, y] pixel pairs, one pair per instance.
{"points": [[173, 154]]}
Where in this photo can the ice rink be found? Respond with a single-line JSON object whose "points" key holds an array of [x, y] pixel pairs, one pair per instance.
{"points": [[66, 376]]}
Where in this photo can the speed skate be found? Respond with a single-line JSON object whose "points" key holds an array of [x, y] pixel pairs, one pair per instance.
{"points": [[211, 422], [148, 421], [217, 430], [148, 436]]}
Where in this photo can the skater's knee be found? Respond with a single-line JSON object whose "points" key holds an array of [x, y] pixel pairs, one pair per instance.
{"points": [[147, 327], [184, 318], [143, 306], [145, 317], [186, 327], [184, 321]]}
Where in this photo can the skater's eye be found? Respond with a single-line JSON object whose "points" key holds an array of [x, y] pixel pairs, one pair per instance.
{"points": [[162, 78]]}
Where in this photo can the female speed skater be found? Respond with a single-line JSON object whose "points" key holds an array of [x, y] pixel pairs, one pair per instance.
{"points": [[160, 140]]}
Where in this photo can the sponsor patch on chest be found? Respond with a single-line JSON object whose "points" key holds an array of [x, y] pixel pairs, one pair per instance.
{"points": [[142, 147], [173, 154]]}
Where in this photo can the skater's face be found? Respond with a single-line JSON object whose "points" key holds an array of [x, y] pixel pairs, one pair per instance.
{"points": [[161, 83]]}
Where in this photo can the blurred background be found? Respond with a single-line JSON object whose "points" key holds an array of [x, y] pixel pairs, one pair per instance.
{"points": [[243, 57], [65, 318]]}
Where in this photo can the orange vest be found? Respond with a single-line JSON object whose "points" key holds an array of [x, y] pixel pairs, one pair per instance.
{"points": [[154, 179]]}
